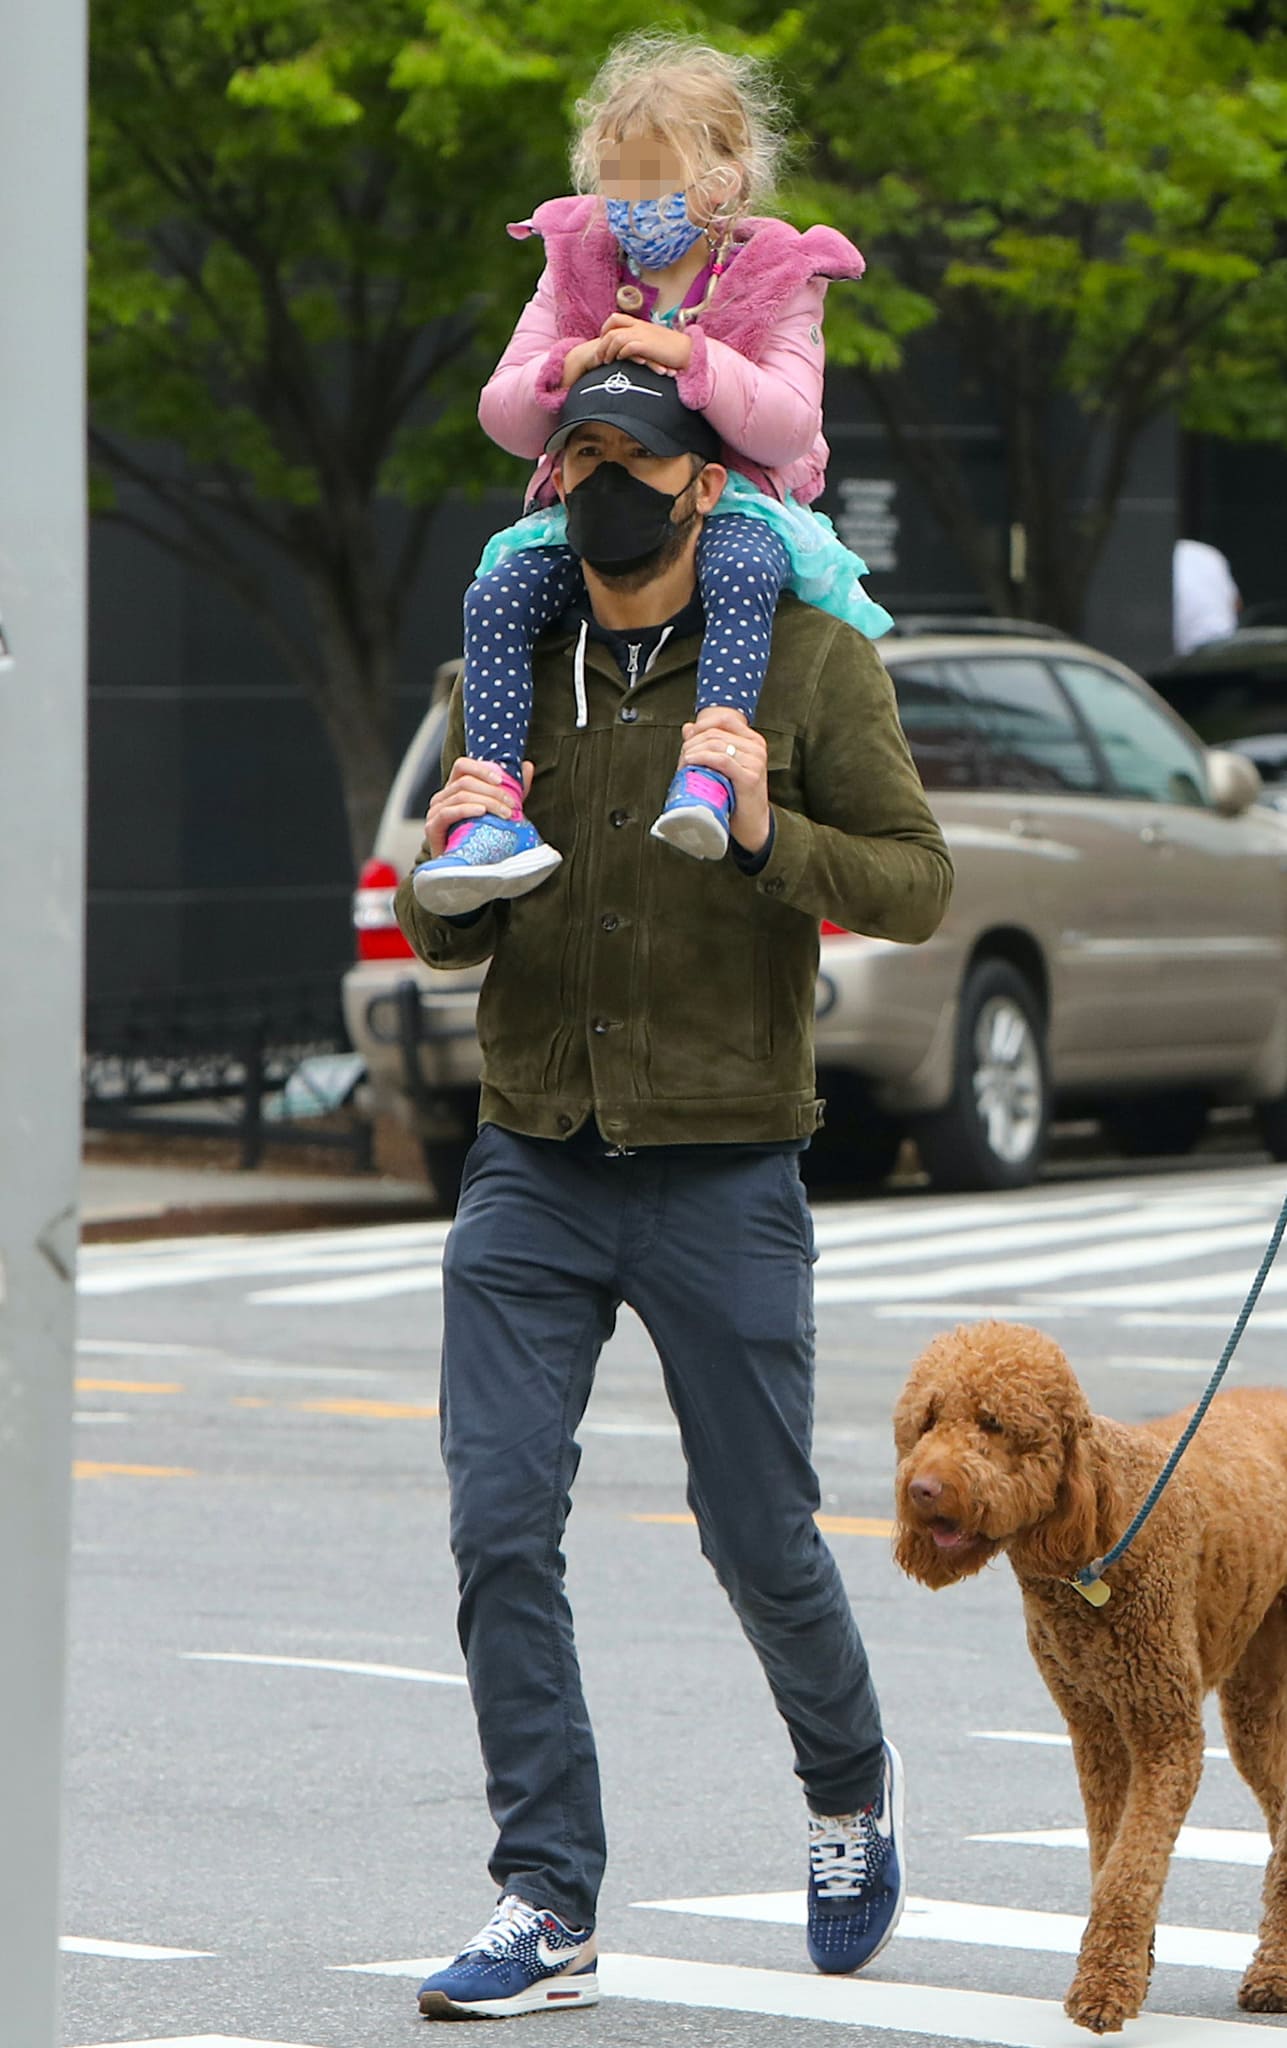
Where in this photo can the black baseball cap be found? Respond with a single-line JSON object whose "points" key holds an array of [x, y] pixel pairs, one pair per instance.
{"points": [[642, 402]]}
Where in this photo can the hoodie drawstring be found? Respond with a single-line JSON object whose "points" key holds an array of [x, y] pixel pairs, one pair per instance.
{"points": [[578, 674], [666, 632]]}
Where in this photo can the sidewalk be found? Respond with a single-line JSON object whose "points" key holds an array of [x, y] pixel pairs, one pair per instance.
{"points": [[123, 1198]]}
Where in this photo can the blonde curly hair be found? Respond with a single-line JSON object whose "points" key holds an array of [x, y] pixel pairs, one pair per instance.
{"points": [[714, 110]]}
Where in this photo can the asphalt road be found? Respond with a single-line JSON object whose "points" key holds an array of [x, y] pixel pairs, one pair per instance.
{"points": [[274, 1797]]}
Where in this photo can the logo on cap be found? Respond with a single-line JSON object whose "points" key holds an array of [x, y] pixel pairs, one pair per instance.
{"points": [[618, 381]]}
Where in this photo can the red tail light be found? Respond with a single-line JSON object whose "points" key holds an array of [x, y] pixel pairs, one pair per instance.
{"points": [[378, 934], [833, 931]]}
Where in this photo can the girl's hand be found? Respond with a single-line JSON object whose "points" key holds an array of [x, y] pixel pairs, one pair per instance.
{"points": [[645, 341], [587, 355]]}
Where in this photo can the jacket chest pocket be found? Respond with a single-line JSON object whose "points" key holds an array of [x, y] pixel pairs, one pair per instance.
{"points": [[786, 785]]}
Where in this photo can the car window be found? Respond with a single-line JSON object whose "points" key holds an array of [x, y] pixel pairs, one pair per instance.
{"points": [[1147, 756], [940, 726], [1035, 741]]}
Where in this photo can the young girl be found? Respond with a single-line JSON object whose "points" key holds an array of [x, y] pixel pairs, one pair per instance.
{"points": [[660, 263]]}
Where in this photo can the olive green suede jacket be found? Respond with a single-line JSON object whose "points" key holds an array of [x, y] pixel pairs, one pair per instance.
{"points": [[672, 997]]}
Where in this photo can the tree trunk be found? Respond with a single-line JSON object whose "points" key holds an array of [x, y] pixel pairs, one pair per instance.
{"points": [[355, 698]]}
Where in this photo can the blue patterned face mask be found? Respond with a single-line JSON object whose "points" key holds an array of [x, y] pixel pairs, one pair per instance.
{"points": [[654, 233]]}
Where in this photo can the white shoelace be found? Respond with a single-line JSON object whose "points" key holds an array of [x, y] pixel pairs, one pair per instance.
{"points": [[512, 1918], [838, 1854]]}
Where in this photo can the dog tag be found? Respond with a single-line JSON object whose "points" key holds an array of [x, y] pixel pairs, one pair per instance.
{"points": [[1098, 1592]]}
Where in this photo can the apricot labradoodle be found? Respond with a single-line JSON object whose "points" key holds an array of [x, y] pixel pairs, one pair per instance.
{"points": [[998, 1451]]}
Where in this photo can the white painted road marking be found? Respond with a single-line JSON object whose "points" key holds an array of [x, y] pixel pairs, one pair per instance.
{"points": [[1198, 1845], [1174, 1248], [973, 1926], [130, 1951], [204, 2041], [401, 1279], [854, 2002], [327, 1664], [905, 1259], [1057, 1741]]}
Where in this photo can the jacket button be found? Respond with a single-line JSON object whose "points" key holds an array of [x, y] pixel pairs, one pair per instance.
{"points": [[600, 1026], [775, 887], [619, 818], [565, 1123], [628, 714], [610, 922]]}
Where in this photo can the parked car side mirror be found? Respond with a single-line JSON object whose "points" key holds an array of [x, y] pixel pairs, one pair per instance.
{"points": [[1233, 780]]}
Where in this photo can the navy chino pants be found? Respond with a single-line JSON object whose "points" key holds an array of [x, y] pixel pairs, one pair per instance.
{"points": [[714, 1252]]}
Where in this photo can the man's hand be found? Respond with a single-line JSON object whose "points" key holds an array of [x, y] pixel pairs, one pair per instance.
{"points": [[471, 790], [645, 341], [587, 355], [706, 745]]}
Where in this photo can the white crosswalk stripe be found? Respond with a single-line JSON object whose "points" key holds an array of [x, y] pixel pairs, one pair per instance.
{"points": [[1195, 1845], [898, 2008], [1021, 1254], [971, 1926]]}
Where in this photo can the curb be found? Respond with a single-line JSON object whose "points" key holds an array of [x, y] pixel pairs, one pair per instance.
{"points": [[252, 1219]]}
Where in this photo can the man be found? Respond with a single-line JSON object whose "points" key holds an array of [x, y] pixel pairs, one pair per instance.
{"points": [[1205, 600], [648, 1085]]}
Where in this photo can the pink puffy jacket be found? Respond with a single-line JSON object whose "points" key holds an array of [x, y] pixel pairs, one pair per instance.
{"points": [[756, 369]]}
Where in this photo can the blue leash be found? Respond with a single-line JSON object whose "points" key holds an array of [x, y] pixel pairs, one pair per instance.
{"points": [[1089, 1581]]}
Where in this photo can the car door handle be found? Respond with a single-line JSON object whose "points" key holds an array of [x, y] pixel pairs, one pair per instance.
{"points": [[1020, 829], [1152, 835]]}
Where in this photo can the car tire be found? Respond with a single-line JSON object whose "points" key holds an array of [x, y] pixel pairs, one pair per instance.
{"points": [[444, 1160], [992, 1133], [1271, 1122], [1156, 1126], [858, 1145]]}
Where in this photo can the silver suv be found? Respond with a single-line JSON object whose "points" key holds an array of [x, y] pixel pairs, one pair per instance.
{"points": [[1116, 944]]}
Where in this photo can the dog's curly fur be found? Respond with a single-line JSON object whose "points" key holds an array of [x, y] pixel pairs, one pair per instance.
{"points": [[999, 1452]]}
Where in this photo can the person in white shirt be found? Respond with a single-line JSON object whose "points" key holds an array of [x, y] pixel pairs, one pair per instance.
{"points": [[1205, 600]]}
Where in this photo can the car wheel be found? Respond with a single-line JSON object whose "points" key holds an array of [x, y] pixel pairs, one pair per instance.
{"points": [[1157, 1126], [1271, 1122], [858, 1145], [992, 1134], [444, 1160]]}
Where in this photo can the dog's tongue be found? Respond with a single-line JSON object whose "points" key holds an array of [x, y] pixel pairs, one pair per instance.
{"points": [[948, 1535]]}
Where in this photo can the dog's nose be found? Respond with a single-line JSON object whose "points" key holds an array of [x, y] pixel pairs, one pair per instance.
{"points": [[925, 1490]]}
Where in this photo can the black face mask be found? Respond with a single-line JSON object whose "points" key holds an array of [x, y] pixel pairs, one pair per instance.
{"points": [[618, 522]]}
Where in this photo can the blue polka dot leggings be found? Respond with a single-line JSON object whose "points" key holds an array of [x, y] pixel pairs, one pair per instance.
{"points": [[742, 567]]}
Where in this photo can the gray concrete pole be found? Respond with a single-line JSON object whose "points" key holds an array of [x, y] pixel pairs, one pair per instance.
{"points": [[42, 797]]}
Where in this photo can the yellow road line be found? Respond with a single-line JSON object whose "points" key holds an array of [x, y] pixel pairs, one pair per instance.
{"points": [[128, 1387], [85, 1469], [831, 1525], [422, 1410]]}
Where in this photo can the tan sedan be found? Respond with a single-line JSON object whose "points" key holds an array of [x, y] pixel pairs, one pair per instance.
{"points": [[1116, 945]]}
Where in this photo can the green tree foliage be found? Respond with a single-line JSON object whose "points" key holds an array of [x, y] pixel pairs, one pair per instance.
{"points": [[299, 279], [1088, 201]]}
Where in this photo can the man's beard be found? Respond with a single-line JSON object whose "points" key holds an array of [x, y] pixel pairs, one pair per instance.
{"points": [[637, 575]]}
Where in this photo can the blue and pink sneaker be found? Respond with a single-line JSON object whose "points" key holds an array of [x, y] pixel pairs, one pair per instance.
{"points": [[695, 815], [524, 1960], [857, 1877], [485, 859]]}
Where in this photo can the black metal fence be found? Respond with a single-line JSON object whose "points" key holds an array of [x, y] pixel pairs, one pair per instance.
{"points": [[251, 1055]]}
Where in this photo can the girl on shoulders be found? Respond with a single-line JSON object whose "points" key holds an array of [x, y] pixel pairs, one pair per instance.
{"points": [[660, 261]]}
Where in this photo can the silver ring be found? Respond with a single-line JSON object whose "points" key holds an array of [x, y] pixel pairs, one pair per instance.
{"points": [[731, 751]]}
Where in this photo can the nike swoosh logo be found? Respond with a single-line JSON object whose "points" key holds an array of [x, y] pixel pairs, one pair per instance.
{"points": [[555, 1958], [885, 1827]]}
